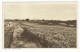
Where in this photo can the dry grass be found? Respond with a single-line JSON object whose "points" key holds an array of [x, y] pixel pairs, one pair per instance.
{"points": [[54, 36]]}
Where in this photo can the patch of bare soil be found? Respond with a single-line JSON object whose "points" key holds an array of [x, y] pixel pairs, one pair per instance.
{"points": [[25, 40]]}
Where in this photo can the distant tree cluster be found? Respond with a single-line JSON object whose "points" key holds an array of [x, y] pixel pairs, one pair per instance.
{"points": [[27, 19]]}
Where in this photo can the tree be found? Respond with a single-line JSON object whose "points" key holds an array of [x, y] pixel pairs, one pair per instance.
{"points": [[27, 19]]}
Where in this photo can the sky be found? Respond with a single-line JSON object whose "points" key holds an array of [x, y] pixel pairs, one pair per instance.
{"points": [[40, 10]]}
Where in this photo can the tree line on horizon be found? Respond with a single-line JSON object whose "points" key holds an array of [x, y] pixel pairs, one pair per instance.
{"points": [[48, 22]]}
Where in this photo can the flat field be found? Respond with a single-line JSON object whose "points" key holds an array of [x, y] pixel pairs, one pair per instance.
{"points": [[35, 35]]}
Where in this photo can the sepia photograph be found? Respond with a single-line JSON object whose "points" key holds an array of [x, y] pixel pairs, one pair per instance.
{"points": [[40, 24]]}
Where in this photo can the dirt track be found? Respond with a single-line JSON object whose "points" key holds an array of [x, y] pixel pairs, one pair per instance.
{"points": [[26, 40]]}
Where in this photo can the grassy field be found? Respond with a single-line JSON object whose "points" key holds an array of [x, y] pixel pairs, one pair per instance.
{"points": [[35, 35]]}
